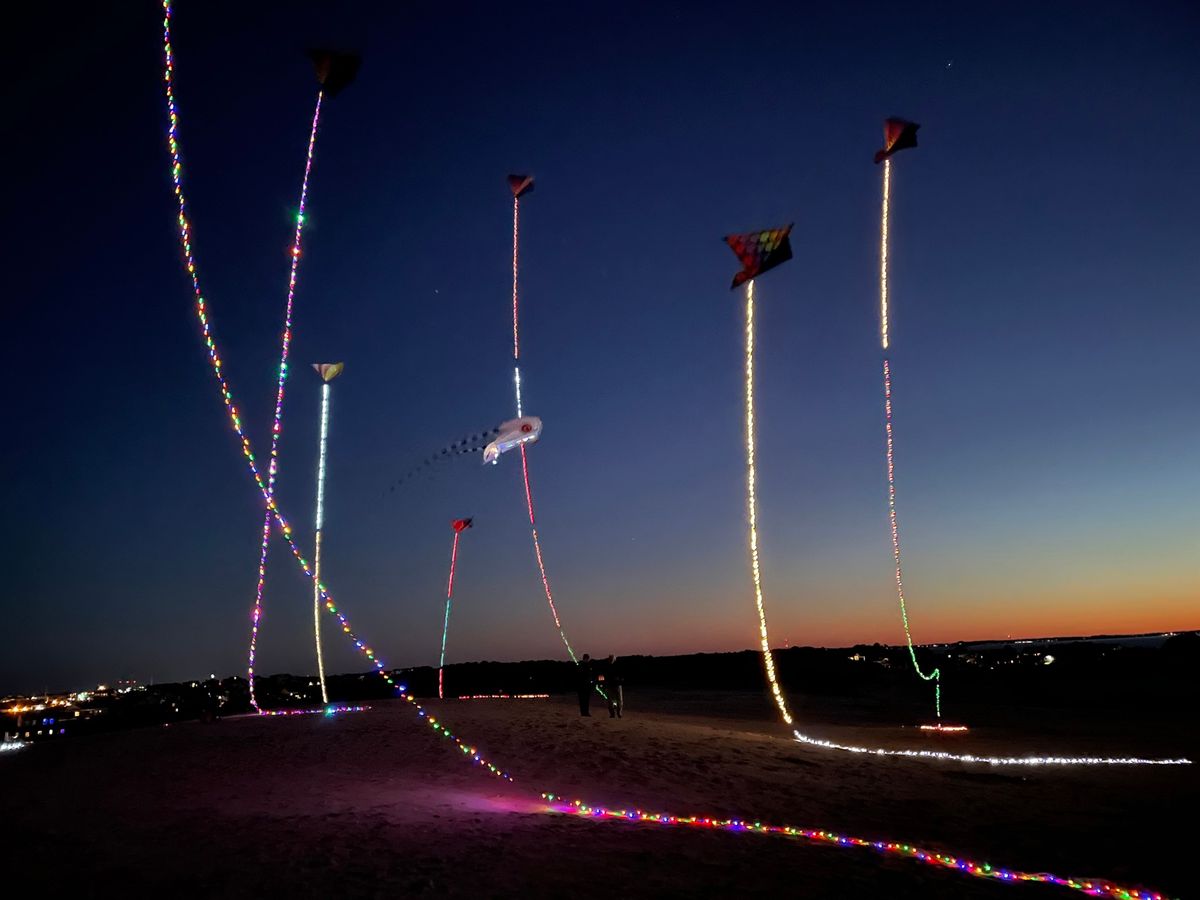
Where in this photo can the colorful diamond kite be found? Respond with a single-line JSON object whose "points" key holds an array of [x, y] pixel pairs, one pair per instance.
{"points": [[898, 134], [759, 251]]}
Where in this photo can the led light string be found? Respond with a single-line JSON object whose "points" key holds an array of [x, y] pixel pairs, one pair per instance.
{"points": [[936, 675], [325, 391], [504, 697], [446, 622], [1090, 886], [537, 544], [319, 711], [752, 508], [201, 308]]}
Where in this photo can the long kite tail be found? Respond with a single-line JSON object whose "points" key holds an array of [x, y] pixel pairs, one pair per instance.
{"points": [[277, 424], [884, 334], [537, 544], [214, 355], [320, 524], [446, 619], [471, 443], [752, 511]]}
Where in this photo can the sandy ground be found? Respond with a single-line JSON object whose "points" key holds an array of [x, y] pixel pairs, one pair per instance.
{"points": [[375, 805]]}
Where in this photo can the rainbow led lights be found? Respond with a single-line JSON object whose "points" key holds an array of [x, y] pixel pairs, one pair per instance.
{"points": [[504, 697], [1090, 886], [277, 425]]}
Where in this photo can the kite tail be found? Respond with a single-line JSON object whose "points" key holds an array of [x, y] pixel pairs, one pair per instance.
{"points": [[277, 425], [752, 510], [935, 675], [472, 443], [446, 621]]}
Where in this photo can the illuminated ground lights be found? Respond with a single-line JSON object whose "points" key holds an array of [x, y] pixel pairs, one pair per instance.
{"points": [[945, 729], [9, 746], [1093, 886], [317, 711], [503, 697]]}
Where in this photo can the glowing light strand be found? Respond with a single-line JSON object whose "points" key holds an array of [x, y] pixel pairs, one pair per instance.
{"points": [[1091, 886], [201, 308], [318, 711], [936, 675], [752, 509], [764, 641], [537, 544], [277, 424], [446, 622], [320, 524], [504, 697]]}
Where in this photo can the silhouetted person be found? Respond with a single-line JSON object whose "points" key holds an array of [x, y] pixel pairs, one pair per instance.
{"points": [[613, 686], [584, 684]]}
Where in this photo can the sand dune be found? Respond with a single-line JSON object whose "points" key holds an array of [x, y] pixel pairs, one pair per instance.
{"points": [[374, 805]]}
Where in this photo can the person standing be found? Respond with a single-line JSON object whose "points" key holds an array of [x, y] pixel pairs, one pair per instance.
{"points": [[614, 684], [584, 684]]}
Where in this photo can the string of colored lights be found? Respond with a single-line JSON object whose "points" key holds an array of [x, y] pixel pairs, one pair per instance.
{"points": [[446, 622], [318, 711], [752, 508], [935, 675], [1091, 886], [277, 424], [214, 356], [325, 390], [504, 697], [537, 544]]}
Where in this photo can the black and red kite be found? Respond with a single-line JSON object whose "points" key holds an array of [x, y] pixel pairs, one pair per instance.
{"points": [[898, 134], [335, 70], [461, 525], [759, 251], [520, 184]]}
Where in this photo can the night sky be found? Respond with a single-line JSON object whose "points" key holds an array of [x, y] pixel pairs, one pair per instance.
{"points": [[1044, 278]]}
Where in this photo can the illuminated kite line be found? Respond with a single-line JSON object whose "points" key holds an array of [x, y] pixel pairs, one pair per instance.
{"points": [[459, 526], [328, 372], [898, 135]]}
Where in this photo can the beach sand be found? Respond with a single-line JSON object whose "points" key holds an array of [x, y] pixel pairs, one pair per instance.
{"points": [[374, 804]]}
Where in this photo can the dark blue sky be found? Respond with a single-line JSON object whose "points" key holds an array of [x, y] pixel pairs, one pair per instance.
{"points": [[1044, 292]]}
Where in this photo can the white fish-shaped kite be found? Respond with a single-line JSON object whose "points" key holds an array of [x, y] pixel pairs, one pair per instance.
{"points": [[513, 433]]}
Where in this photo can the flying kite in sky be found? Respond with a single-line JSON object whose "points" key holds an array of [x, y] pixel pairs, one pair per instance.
{"points": [[461, 525], [759, 251], [898, 134], [513, 433], [520, 184], [328, 371], [334, 70]]}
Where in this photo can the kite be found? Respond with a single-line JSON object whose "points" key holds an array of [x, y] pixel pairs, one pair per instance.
{"points": [[520, 185], [513, 433], [335, 70], [459, 526], [898, 134], [328, 371], [759, 251]]}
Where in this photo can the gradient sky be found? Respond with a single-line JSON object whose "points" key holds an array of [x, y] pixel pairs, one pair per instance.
{"points": [[1044, 279]]}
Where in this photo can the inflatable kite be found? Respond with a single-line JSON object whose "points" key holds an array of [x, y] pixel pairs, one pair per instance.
{"points": [[898, 134], [759, 251], [513, 433], [334, 70]]}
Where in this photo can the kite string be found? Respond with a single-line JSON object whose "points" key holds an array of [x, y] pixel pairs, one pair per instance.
{"points": [[446, 621], [214, 356], [537, 544], [752, 508], [277, 424], [935, 675], [320, 524]]}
